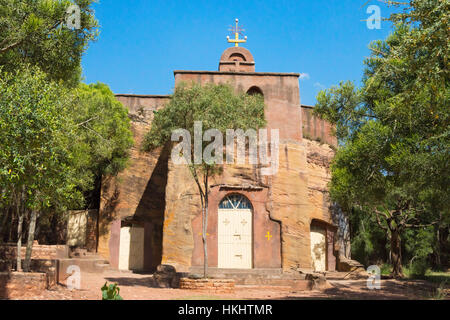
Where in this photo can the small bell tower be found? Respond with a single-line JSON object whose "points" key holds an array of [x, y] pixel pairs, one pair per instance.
{"points": [[237, 59]]}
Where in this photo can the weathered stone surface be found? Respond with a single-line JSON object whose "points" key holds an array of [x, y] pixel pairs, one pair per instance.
{"points": [[208, 285], [317, 129], [164, 197], [165, 276], [138, 192], [353, 267], [19, 285], [317, 281], [297, 194], [39, 252], [182, 206]]}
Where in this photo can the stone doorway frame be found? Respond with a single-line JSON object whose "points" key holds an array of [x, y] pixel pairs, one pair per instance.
{"points": [[266, 254], [330, 242]]}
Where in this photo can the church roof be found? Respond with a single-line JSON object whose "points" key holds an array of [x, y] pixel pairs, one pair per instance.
{"points": [[275, 74]]}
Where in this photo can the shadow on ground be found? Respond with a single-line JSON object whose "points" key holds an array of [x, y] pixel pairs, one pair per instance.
{"points": [[357, 290], [147, 282]]}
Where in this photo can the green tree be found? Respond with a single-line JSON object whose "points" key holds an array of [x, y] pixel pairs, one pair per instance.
{"points": [[56, 143], [37, 167], [394, 130], [58, 137], [36, 32], [104, 136], [216, 107]]}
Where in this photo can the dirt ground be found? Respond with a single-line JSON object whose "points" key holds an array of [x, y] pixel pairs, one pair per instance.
{"points": [[139, 287]]}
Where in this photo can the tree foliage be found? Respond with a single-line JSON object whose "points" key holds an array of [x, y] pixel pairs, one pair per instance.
{"points": [[103, 138], [56, 143], [35, 32], [394, 130], [35, 139], [58, 137], [37, 167]]}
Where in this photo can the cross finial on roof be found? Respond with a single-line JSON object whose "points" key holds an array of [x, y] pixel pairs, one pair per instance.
{"points": [[237, 31]]}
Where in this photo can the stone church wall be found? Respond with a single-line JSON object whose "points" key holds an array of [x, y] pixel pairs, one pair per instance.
{"points": [[138, 191], [163, 198]]}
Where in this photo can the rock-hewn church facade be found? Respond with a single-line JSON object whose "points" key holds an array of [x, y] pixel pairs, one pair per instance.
{"points": [[150, 214]]}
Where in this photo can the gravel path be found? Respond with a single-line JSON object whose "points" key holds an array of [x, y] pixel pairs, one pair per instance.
{"points": [[139, 287]]}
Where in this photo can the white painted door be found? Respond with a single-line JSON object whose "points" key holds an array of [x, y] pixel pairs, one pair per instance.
{"points": [[318, 248], [235, 238], [131, 250]]}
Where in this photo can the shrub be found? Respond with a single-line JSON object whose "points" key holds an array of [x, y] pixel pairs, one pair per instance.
{"points": [[111, 292], [386, 269], [418, 268]]}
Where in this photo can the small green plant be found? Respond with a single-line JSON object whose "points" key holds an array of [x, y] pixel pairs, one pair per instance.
{"points": [[386, 269], [418, 268], [111, 292]]}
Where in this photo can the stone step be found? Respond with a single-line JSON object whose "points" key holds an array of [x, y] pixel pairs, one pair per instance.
{"points": [[105, 266], [82, 254], [297, 284], [263, 287], [91, 256], [216, 272], [258, 277], [94, 265]]}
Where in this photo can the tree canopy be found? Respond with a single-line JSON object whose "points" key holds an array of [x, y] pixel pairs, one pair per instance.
{"points": [[35, 135], [394, 129], [36, 33], [58, 137]]}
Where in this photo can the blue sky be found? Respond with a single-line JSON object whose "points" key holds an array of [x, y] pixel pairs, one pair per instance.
{"points": [[141, 42]]}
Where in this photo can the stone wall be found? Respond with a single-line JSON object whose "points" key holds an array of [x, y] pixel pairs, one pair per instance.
{"points": [[44, 259], [164, 198], [39, 252], [138, 191], [19, 285], [317, 129], [213, 286], [82, 229], [295, 197], [280, 90]]}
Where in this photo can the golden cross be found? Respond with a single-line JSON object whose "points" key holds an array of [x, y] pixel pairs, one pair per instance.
{"points": [[268, 236], [237, 31]]}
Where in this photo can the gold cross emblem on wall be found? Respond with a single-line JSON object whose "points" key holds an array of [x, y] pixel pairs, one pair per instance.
{"points": [[226, 222], [268, 236]]}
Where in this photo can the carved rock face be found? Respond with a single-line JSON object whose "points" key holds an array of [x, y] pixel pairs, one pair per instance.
{"points": [[164, 198]]}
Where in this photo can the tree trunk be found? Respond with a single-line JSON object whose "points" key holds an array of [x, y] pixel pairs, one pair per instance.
{"points": [[438, 248], [205, 240], [19, 241], [396, 254], [31, 232]]}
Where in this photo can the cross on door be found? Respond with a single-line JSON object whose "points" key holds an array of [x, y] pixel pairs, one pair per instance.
{"points": [[226, 222], [244, 222]]}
